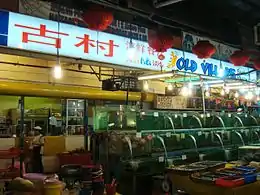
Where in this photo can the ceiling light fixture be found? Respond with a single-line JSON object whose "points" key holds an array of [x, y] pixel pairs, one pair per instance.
{"points": [[226, 84], [155, 76], [222, 92], [170, 87], [208, 82], [190, 85], [227, 90], [243, 87], [57, 71], [145, 86], [207, 94], [221, 72], [186, 91], [236, 95], [250, 95]]}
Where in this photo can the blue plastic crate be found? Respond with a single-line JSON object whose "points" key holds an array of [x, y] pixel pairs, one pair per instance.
{"points": [[245, 169], [250, 178]]}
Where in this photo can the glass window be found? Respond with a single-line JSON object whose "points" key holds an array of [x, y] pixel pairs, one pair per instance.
{"points": [[9, 115], [73, 116], [43, 113]]}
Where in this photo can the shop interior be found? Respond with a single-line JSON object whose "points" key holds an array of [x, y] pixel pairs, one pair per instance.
{"points": [[192, 118], [38, 112], [199, 119], [161, 121]]}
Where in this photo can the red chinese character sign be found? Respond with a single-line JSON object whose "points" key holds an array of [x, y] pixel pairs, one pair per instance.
{"points": [[38, 35], [86, 42], [41, 34]]}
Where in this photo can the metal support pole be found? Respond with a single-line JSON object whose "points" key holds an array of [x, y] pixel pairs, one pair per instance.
{"points": [[86, 130], [127, 92], [21, 104], [100, 73], [203, 101], [106, 164], [141, 101]]}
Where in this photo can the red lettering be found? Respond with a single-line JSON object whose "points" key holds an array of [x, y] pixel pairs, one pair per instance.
{"points": [[86, 42], [110, 45], [42, 33], [157, 63]]}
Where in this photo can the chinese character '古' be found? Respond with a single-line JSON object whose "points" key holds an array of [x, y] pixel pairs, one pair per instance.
{"points": [[86, 42], [42, 32]]}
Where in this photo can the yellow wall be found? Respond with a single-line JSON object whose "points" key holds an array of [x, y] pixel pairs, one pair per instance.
{"points": [[16, 73], [39, 102], [47, 90], [11, 102], [22, 73]]}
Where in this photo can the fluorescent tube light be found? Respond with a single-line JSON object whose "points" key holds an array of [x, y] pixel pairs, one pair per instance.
{"points": [[155, 76]]}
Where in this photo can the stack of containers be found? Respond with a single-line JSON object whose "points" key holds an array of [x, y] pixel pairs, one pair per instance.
{"points": [[237, 176]]}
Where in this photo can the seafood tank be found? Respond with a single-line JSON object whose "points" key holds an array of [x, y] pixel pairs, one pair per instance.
{"points": [[145, 142]]}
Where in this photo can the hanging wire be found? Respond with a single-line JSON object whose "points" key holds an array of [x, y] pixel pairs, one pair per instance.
{"points": [[219, 53], [97, 41], [59, 42], [183, 53], [131, 36], [58, 49]]}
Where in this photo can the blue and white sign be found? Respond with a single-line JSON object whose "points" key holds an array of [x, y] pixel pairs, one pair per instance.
{"points": [[4, 20], [34, 34], [223, 51]]}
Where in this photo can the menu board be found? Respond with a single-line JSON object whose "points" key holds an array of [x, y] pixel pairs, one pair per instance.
{"points": [[170, 102]]}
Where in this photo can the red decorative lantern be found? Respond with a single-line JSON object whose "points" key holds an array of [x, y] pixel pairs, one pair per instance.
{"points": [[161, 56], [239, 58], [160, 41], [204, 49], [98, 18], [257, 64]]}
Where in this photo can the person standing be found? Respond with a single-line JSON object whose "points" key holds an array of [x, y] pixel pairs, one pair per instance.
{"points": [[53, 124], [37, 150]]}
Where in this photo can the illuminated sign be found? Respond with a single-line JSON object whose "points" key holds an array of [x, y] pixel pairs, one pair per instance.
{"points": [[34, 34]]}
